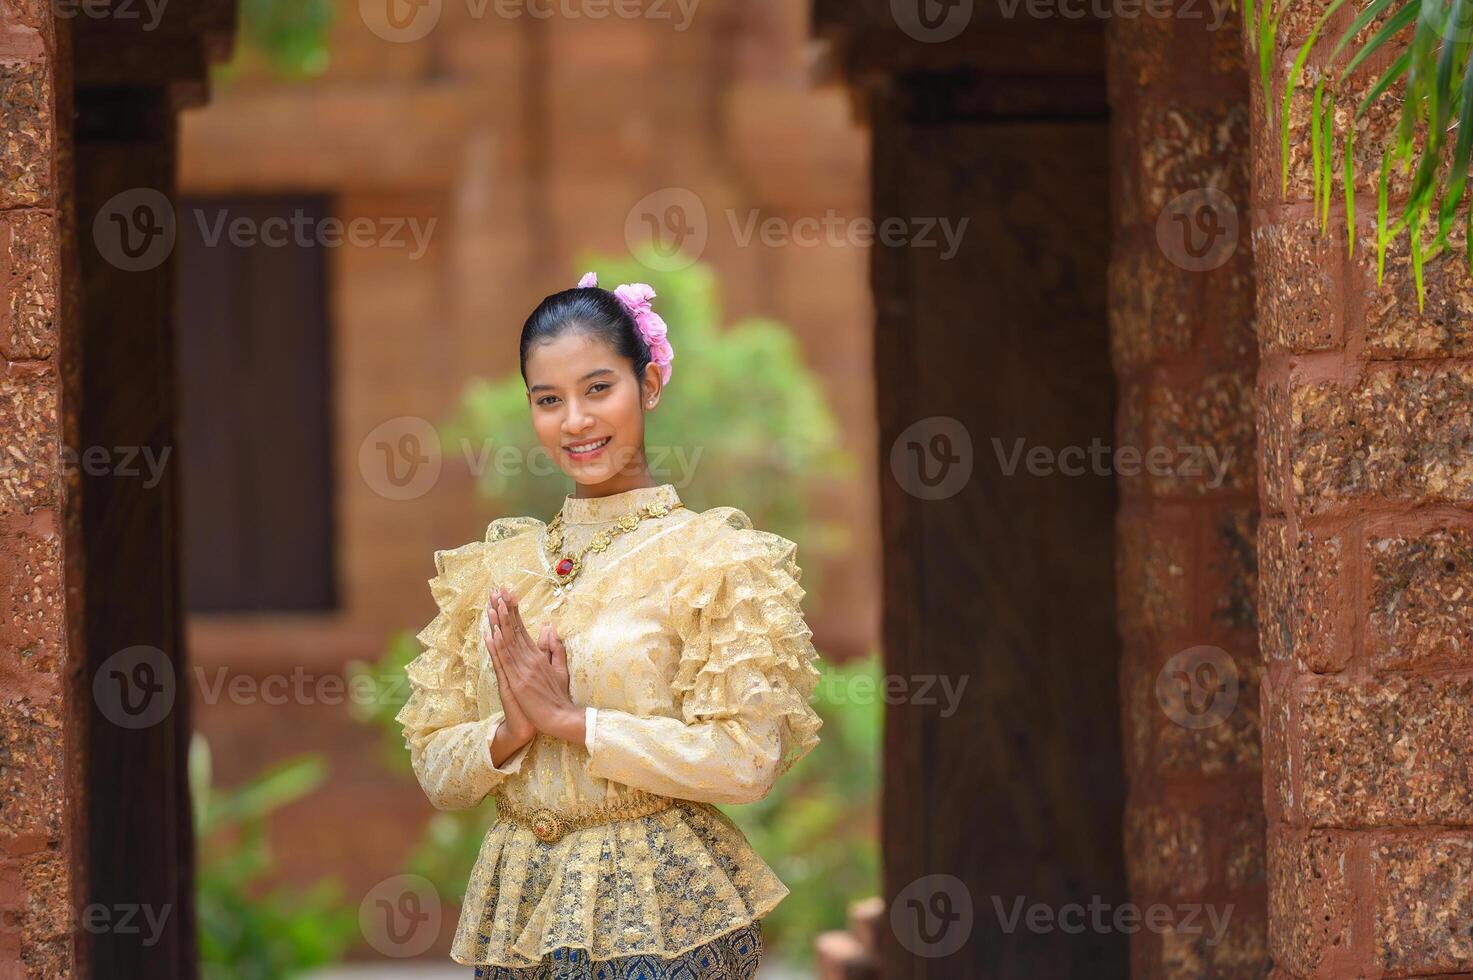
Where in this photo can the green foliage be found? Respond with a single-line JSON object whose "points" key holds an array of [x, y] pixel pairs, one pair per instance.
{"points": [[743, 422], [1432, 77], [817, 828], [290, 36], [246, 933]]}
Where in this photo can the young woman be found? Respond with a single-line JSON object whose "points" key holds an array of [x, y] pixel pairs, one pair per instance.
{"points": [[607, 676]]}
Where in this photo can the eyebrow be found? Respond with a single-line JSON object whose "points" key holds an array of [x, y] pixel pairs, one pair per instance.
{"points": [[591, 374]]}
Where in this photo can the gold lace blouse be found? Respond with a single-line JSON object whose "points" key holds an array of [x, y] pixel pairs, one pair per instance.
{"points": [[687, 643]]}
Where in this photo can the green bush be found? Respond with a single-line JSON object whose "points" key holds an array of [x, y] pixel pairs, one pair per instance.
{"points": [[246, 932]]}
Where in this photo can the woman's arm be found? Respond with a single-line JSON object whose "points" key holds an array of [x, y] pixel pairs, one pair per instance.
{"points": [[452, 750], [453, 761], [743, 685]]}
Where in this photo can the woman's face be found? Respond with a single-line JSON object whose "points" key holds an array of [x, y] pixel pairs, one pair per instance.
{"points": [[588, 410]]}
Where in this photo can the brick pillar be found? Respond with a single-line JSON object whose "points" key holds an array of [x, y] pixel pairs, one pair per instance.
{"points": [[1366, 552], [1181, 303], [36, 870], [37, 877]]}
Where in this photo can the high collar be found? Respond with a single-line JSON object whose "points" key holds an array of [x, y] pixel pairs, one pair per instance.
{"points": [[598, 510]]}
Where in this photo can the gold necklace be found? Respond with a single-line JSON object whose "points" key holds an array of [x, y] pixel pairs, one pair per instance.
{"points": [[567, 567]]}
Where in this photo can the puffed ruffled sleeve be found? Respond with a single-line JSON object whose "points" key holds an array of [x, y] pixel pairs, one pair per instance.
{"points": [[744, 682], [449, 741]]}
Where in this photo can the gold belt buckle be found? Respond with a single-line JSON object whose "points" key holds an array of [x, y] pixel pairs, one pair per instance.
{"points": [[547, 826]]}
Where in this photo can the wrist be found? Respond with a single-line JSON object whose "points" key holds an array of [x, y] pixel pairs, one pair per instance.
{"points": [[571, 724]]}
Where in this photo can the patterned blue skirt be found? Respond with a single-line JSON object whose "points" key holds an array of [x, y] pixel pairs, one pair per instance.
{"points": [[730, 956]]}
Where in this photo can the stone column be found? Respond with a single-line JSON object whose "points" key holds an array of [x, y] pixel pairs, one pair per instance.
{"points": [[1366, 551], [37, 877], [1181, 306]]}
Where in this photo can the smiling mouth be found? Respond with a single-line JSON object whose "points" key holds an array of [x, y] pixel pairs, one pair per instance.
{"points": [[587, 448]]}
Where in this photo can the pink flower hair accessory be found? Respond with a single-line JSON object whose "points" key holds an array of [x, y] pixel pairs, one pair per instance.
{"points": [[635, 297]]}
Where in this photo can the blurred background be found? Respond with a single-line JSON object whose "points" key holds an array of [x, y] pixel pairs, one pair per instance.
{"points": [[372, 201]]}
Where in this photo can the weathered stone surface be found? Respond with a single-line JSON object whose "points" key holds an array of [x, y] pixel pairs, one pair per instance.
{"points": [[1239, 951], [1185, 148], [26, 119], [1388, 752], [1166, 851], [1275, 590], [1206, 427], [1403, 433], [1153, 306], [1273, 436], [31, 13], [1375, 131], [1244, 858], [1421, 599], [45, 927], [1309, 905], [28, 245], [1233, 745], [31, 791], [1154, 559], [1299, 297], [1232, 565], [1276, 707], [1424, 904], [31, 636], [28, 420], [1393, 323], [1326, 460], [1141, 718], [1300, 598]]}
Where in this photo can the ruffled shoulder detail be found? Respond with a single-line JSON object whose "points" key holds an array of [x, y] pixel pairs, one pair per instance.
{"points": [[737, 606], [450, 662]]}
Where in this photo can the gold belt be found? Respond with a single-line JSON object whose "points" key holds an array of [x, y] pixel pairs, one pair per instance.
{"points": [[550, 825]]}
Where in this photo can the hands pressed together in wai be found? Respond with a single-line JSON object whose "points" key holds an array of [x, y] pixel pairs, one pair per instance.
{"points": [[531, 677]]}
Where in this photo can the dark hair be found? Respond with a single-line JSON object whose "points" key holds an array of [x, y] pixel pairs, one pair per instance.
{"points": [[593, 310]]}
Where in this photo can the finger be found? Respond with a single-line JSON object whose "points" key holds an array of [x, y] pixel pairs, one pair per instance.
{"points": [[513, 618], [503, 682], [514, 606]]}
